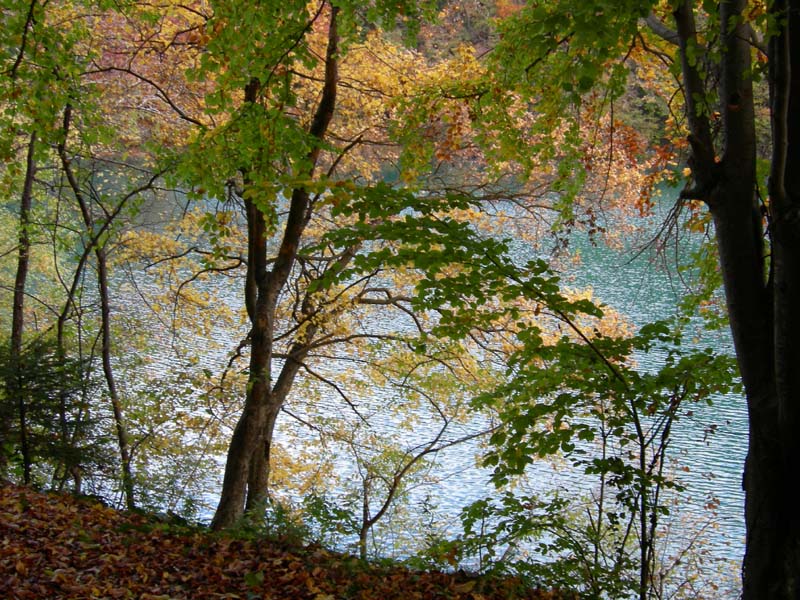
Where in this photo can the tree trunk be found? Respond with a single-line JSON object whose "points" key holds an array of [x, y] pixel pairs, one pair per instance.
{"points": [[772, 559], [762, 285], [258, 476], [244, 486], [366, 522], [13, 385], [105, 314], [108, 372]]}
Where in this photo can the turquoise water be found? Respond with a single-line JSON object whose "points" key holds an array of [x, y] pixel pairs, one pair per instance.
{"points": [[711, 443]]}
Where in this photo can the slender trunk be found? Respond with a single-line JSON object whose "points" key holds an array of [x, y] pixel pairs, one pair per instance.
{"points": [[14, 385], [108, 372], [643, 490], [366, 522], [70, 308], [105, 316], [61, 351]]}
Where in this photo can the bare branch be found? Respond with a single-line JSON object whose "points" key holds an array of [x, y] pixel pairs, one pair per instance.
{"points": [[333, 385], [161, 92], [661, 30]]}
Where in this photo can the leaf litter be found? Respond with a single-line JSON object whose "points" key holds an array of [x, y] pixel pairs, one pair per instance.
{"points": [[61, 546]]}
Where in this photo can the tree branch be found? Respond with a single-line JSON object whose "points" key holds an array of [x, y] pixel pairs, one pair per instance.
{"points": [[29, 20], [661, 30], [161, 92]]}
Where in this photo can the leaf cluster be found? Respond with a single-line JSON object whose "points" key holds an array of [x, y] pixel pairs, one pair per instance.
{"points": [[461, 271], [571, 392]]}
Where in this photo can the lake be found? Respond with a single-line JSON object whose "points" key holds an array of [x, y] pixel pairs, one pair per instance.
{"points": [[644, 289], [709, 445], [711, 465]]}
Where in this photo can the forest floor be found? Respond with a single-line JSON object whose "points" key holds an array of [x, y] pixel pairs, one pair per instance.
{"points": [[60, 546]]}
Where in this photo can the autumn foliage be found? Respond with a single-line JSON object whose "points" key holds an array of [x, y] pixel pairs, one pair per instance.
{"points": [[59, 546]]}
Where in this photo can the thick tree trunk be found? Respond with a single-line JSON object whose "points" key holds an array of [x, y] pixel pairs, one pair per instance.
{"points": [[258, 477], [738, 228], [762, 285], [245, 482], [248, 431], [749, 290], [772, 559]]}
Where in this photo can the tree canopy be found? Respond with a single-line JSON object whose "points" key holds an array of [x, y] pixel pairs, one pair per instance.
{"points": [[224, 219]]}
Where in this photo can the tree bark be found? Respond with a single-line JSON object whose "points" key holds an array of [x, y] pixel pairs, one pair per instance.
{"points": [[111, 383], [762, 285], [245, 482], [13, 386], [105, 315], [772, 561]]}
